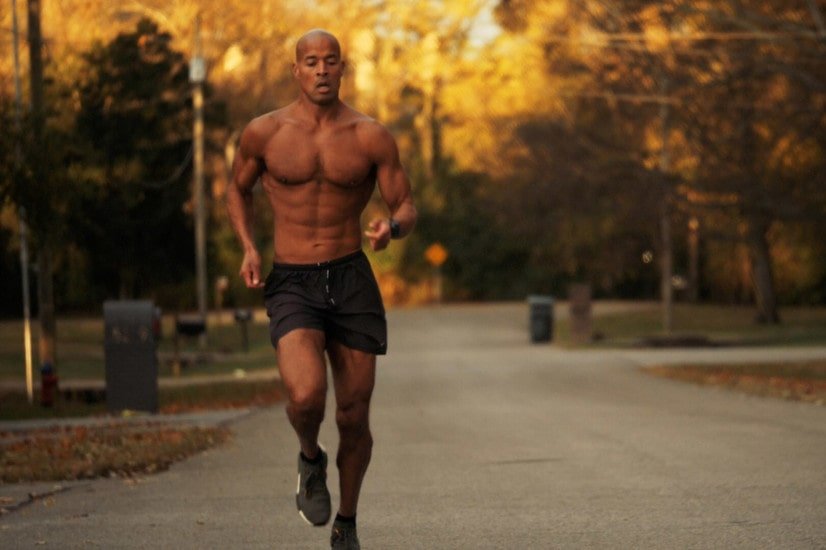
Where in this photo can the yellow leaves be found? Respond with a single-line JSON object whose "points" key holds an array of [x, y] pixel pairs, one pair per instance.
{"points": [[547, 12], [794, 152], [233, 58], [590, 40], [655, 32]]}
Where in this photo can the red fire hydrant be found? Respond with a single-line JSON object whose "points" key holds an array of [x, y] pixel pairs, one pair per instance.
{"points": [[48, 385]]}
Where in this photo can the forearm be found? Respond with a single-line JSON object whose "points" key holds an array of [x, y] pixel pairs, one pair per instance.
{"points": [[405, 214]]}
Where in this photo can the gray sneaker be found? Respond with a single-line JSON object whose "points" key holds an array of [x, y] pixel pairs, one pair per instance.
{"points": [[344, 537], [311, 495]]}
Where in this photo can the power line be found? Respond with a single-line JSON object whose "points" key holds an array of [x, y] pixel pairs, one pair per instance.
{"points": [[602, 38], [655, 99], [179, 171]]}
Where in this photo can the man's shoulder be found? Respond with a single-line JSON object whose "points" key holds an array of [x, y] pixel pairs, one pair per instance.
{"points": [[269, 122], [368, 129], [260, 129], [374, 137]]}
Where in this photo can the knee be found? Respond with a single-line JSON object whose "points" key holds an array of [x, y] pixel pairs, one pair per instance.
{"points": [[353, 420], [307, 403]]}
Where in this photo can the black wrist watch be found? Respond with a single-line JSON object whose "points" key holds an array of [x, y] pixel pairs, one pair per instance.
{"points": [[395, 229]]}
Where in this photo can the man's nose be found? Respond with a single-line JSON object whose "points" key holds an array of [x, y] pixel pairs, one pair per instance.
{"points": [[321, 68]]}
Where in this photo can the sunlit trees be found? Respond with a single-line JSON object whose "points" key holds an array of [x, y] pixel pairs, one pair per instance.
{"points": [[757, 121], [563, 144], [722, 99]]}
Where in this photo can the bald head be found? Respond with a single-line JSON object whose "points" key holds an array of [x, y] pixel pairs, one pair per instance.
{"points": [[318, 67], [312, 37]]}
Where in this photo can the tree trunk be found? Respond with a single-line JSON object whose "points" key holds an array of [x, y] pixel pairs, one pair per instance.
{"points": [[761, 275], [45, 290]]}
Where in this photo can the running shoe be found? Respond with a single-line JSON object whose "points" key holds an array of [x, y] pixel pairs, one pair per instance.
{"points": [[311, 495], [344, 537]]}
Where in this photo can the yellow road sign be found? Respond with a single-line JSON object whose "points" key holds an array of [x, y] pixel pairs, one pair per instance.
{"points": [[435, 254]]}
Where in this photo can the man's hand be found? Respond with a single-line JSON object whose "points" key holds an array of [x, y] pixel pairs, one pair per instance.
{"points": [[251, 269], [378, 234]]}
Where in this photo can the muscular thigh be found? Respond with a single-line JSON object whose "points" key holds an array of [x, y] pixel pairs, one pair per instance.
{"points": [[301, 362], [354, 374]]}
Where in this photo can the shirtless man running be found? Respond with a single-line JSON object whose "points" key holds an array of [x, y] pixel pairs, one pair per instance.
{"points": [[319, 162]]}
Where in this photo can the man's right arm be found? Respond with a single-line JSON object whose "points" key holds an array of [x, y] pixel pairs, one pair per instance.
{"points": [[246, 169]]}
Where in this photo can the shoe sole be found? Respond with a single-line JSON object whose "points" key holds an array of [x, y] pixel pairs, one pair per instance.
{"points": [[298, 492], [301, 512]]}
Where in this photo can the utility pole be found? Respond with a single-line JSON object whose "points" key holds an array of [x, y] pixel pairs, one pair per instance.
{"points": [[197, 75], [45, 288], [666, 253], [24, 232]]}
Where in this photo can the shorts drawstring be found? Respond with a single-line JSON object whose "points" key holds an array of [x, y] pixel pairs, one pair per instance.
{"points": [[328, 296]]}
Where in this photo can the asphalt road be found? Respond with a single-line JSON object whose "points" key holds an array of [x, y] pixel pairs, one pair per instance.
{"points": [[486, 441]]}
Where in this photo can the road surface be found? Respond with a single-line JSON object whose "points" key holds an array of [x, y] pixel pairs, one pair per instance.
{"points": [[486, 441]]}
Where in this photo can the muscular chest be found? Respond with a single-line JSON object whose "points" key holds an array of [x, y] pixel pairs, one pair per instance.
{"points": [[295, 157]]}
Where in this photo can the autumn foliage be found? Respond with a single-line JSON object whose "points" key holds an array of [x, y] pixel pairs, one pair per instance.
{"points": [[547, 140]]}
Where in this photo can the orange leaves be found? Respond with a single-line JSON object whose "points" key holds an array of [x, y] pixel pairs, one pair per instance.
{"points": [[796, 381]]}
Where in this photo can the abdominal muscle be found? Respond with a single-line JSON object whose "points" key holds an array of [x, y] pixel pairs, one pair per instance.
{"points": [[316, 222]]}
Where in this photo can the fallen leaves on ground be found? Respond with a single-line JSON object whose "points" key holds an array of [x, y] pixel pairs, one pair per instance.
{"points": [[81, 452], [799, 381], [221, 396]]}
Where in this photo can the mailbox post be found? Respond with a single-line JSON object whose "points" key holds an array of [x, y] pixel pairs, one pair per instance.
{"points": [[130, 350]]}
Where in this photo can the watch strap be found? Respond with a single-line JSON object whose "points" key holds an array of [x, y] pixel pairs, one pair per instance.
{"points": [[395, 229]]}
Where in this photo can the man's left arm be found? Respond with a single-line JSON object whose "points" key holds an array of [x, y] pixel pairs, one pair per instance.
{"points": [[394, 188]]}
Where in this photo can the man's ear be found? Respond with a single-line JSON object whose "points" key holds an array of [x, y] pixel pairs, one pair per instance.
{"points": [[294, 69]]}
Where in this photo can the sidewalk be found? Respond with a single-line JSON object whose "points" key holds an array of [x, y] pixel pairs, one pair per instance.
{"points": [[17, 496]]}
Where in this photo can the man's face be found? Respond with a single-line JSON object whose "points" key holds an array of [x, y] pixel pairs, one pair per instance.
{"points": [[318, 69]]}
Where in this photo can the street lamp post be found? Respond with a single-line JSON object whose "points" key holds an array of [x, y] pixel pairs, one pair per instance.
{"points": [[197, 75], [24, 239]]}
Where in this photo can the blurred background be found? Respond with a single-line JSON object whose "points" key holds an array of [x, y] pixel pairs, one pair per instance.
{"points": [[669, 150]]}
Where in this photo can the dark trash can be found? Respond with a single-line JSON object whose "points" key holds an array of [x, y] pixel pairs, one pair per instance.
{"points": [[541, 318], [130, 349]]}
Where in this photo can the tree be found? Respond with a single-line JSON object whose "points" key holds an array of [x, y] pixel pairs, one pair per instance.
{"points": [[759, 129], [729, 92], [135, 123]]}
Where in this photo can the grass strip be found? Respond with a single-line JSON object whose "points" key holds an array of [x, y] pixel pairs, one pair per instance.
{"points": [[224, 395]]}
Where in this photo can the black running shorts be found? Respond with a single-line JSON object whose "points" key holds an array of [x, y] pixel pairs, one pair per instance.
{"points": [[340, 298]]}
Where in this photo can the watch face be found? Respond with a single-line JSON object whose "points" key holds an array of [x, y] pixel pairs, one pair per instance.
{"points": [[395, 229]]}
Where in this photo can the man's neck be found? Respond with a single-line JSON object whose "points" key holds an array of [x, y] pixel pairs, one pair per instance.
{"points": [[320, 113]]}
